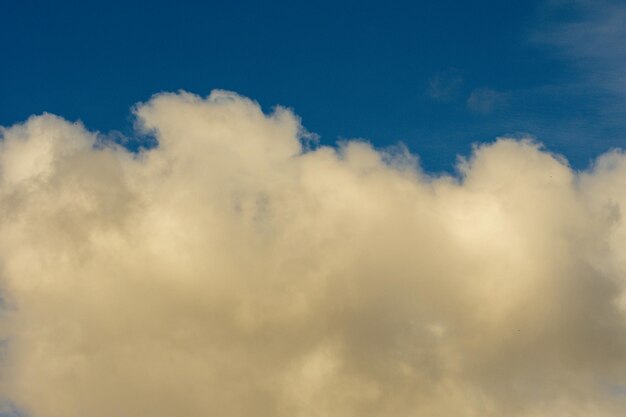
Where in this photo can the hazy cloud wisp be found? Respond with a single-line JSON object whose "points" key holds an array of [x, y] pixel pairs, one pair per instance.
{"points": [[444, 85], [485, 100]]}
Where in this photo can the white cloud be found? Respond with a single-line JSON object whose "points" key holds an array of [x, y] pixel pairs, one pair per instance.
{"points": [[228, 272]]}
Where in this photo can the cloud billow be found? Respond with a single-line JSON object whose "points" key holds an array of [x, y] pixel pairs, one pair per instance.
{"points": [[229, 272]]}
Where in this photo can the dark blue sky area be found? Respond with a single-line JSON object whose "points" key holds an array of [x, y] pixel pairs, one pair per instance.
{"points": [[436, 75]]}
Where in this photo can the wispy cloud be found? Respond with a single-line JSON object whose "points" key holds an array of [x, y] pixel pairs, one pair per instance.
{"points": [[444, 85], [485, 100], [590, 36]]}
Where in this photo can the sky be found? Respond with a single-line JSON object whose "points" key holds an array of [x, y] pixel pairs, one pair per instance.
{"points": [[436, 76], [302, 210]]}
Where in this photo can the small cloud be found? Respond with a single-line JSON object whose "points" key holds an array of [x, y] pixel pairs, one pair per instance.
{"points": [[485, 100], [444, 85]]}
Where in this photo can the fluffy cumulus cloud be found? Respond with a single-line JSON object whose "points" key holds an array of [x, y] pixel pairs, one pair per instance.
{"points": [[231, 272]]}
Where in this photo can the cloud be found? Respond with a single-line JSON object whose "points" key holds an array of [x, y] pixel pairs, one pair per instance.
{"points": [[593, 38], [591, 35], [229, 272], [443, 86], [485, 100]]}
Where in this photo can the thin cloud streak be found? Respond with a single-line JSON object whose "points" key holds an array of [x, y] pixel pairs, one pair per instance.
{"points": [[593, 41]]}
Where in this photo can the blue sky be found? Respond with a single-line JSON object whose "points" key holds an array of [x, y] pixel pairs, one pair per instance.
{"points": [[437, 76]]}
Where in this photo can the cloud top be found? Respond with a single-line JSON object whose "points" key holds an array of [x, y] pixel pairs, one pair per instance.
{"points": [[230, 272]]}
